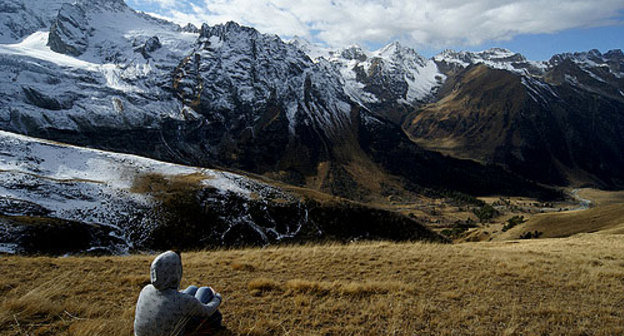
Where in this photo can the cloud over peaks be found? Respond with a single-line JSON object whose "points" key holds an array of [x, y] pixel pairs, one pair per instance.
{"points": [[424, 23]]}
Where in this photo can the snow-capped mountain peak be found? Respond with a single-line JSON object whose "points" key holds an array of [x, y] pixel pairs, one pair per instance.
{"points": [[389, 49], [313, 50], [352, 52], [394, 50], [497, 58], [491, 56], [393, 74]]}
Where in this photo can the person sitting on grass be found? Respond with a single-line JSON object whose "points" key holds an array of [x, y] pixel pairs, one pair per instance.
{"points": [[162, 310]]}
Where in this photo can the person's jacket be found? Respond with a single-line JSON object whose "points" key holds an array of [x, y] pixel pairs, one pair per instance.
{"points": [[163, 311]]}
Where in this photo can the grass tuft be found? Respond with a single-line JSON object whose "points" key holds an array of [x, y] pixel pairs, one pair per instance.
{"points": [[368, 288], [265, 328], [245, 267], [259, 285], [309, 287]]}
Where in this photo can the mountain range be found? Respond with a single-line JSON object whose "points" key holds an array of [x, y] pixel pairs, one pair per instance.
{"points": [[351, 123]]}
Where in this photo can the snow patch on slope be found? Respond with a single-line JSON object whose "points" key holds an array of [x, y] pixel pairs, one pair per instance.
{"points": [[422, 81], [35, 46], [91, 186], [92, 172]]}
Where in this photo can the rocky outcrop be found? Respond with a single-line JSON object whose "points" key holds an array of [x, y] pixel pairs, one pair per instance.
{"points": [[190, 28], [44, 101], [20, 18], [151, 45], [69, 34], [353, 53]]}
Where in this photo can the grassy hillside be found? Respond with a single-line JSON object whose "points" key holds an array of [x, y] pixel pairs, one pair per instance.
{"points": [[569, 286], [606, 214]]}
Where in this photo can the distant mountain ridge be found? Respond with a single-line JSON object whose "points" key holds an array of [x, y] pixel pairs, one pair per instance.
{"points": [[556, 122], [349, 122]]}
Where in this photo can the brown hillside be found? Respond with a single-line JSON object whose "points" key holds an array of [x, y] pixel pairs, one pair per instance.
{"points": [[474, 116], [552, 133], [605, 216]]}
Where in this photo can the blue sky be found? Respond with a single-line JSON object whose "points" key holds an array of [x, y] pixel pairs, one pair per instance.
{"points": [[542, 46], [535, 28]]}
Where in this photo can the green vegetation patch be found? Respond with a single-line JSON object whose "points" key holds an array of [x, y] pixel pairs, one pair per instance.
{"points": [[513, 221], [485, 213]]}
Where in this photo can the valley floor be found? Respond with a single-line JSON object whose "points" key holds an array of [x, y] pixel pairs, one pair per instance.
{"points": [[562, 286]]}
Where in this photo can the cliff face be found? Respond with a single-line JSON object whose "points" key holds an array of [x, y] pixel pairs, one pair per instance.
{"points": [[69, 31], [20, 18]]}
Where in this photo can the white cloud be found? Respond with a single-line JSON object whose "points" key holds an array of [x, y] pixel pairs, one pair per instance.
{"points": [[424, 23], [161, 3]]}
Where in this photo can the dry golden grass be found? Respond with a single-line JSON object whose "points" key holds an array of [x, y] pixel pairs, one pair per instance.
{"points": [[167, 186], [601, 218], [601, 197], [570, 286], [606, 215]]}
